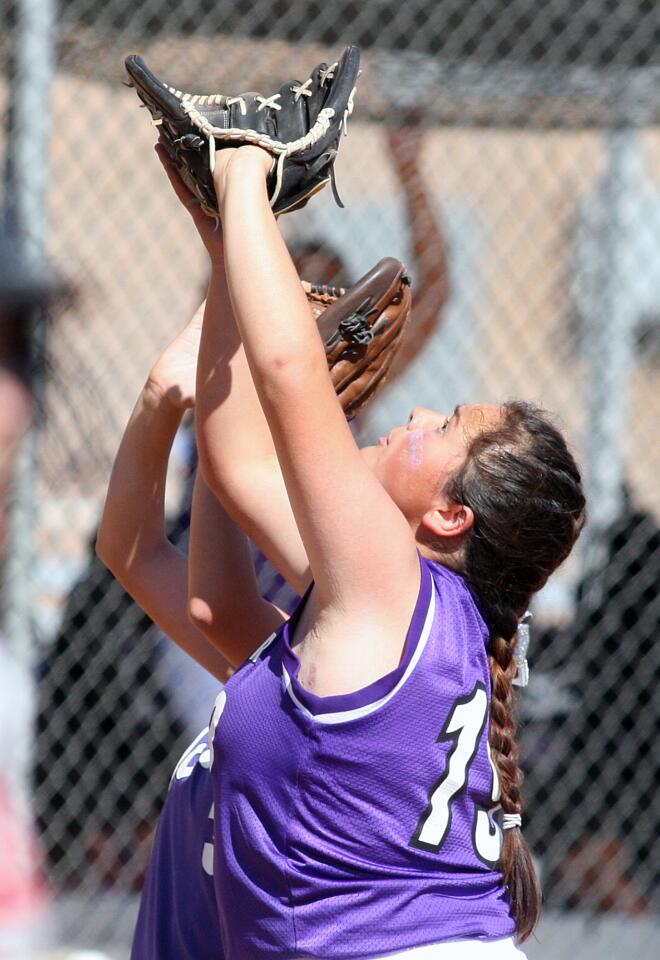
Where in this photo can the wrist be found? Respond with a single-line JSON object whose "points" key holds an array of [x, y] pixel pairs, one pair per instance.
{"points": [[214, 243], [248, 165], [216, 258], [251, 158]]}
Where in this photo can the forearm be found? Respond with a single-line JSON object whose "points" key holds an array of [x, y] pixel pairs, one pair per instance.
{"points": [[430, 252], [276, 325], [236, 450], [231, 427], [427, 240], [132, 541], [132, 525]]}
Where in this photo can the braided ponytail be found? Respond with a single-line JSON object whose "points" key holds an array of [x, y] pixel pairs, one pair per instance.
{"points": [[524, 489], [516, 863]]}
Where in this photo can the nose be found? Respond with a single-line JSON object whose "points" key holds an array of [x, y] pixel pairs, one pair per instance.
{"points": [[421, 416]]}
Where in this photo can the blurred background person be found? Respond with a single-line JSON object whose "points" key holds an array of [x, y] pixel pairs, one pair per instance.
{"points": [[614, 644], [431, 288], [24, 896]]}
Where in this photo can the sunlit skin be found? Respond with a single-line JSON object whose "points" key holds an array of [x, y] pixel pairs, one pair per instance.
{"points": [[413, 463], [411, 467], [414, 460]]}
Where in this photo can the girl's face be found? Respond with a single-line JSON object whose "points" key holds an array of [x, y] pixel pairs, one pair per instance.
{"points": [[414, 461]]}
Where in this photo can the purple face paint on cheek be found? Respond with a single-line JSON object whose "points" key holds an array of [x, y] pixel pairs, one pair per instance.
{"points": [[416, 449]]}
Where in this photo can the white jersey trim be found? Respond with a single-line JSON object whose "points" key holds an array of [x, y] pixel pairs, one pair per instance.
{"points": [[262, 649], [343, 716], [460, 950]]}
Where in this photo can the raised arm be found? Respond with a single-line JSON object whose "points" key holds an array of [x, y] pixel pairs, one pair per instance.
{"points": [[360, 545], [132, 541], [224, 603], [236, 451]]}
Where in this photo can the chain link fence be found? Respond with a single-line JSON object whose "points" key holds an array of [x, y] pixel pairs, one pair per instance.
{"points": [[509, 152]]}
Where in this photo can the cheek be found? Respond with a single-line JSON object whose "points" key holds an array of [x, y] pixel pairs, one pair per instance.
{"points": [[413, 451]]}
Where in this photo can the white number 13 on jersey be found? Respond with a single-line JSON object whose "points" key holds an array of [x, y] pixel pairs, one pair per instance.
{"points": [[464, 726]]}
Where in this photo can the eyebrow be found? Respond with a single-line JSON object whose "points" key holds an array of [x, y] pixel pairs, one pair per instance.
{"points": [[457, 412]]}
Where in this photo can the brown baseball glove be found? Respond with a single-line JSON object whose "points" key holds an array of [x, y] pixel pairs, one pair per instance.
{"points": [[362, 328]]}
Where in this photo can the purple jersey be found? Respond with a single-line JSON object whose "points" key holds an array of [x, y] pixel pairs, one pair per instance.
{"points": [[178, 916], [360, 825]]}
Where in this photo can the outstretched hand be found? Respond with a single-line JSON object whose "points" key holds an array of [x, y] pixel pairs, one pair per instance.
{"points": [[209, 231], [173, 375]]}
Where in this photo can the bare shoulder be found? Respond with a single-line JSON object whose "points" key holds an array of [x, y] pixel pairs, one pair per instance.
{"points": [[344, 649]]}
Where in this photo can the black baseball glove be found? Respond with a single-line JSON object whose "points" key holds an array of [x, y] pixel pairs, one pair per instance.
{"points": [[300, 126]]}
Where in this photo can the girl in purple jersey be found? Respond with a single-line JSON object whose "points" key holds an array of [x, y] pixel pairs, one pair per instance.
{"points": [[488, 497], [439, 535], [178, 916]]}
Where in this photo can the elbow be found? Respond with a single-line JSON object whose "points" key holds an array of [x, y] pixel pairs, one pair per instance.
{"points": [[115, 564], [219, 626], [200, 615], [117, 558], [104, 551], [211, 464], [205, 618]]}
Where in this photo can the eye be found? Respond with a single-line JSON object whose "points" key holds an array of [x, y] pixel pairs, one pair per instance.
{"points": [[443, 427]]}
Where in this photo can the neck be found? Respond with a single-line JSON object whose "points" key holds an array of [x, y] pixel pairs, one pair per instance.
{"points": [[450, 551]]}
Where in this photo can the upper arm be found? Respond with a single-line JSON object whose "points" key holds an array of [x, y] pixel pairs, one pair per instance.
{"points": [[157, 581], [360, 547], [255, 496], [223, 596], [359, 544]]}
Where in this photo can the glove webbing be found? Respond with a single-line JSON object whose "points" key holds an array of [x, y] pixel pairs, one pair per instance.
{"points": [[283, 150], [355, 328]]}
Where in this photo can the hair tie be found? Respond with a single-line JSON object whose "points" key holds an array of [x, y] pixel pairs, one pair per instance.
{"points": [[521, 678], [511, 820]]}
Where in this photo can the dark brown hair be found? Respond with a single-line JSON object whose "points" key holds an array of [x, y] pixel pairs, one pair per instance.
{"points": [[525, 490]]}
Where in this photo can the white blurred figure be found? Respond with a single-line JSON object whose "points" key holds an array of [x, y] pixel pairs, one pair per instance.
{"points": [[24, 896]]}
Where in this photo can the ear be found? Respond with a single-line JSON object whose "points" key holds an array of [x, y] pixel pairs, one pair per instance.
{"points": [[448, 520]]}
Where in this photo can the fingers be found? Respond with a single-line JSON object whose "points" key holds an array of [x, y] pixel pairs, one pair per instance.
{"points": [[179, 187], [206, 227]]}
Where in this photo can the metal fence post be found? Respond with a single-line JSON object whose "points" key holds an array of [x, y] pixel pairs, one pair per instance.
{"points": [[27, 182]]}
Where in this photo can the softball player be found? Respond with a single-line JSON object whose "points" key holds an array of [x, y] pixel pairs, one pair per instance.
{"points": [[178, 917], [363, 755], [360, 756]]}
